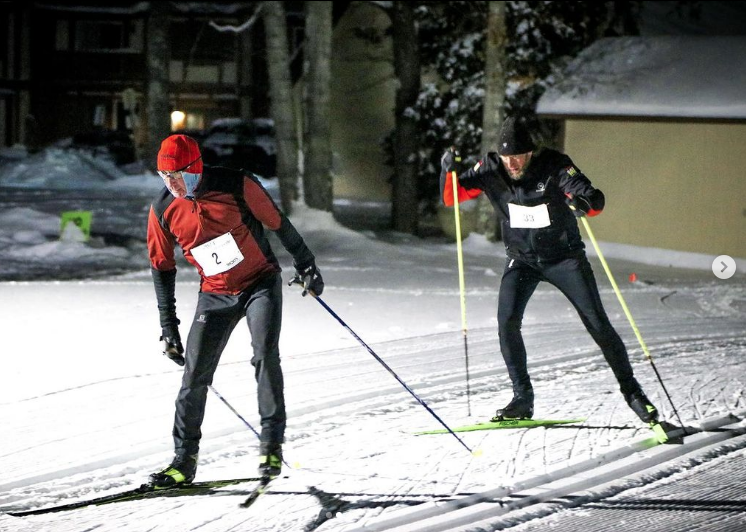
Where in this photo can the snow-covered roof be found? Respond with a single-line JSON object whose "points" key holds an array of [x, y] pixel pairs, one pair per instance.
{"points": [[133, 8], [667, 76]]}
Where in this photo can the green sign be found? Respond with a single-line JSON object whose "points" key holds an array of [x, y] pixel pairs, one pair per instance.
{"points": [[81, 219]]}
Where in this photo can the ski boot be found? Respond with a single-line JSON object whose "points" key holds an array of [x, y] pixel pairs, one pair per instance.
{"points": [[270, 459], [182, 470], [643, 407], [520, 407]]}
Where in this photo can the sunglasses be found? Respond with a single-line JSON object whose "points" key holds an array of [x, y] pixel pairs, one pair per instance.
{"points": [[171, 174]]}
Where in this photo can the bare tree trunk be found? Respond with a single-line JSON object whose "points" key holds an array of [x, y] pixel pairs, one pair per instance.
{"points": [[281, 106], [158, 110], [246, 81], [317, 179], [494, 100], [407, 69]]}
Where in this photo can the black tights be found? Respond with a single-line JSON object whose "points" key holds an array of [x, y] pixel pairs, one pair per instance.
{"points": [[574, 278]]}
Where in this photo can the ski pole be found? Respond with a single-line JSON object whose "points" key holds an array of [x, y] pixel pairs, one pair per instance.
{"points": [[461, 284], [239, 416], [179, 360], [391, 371], [619, 296]]}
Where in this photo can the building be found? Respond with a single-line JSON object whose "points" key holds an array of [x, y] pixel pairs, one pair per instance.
{"points": [[68, 68], [659, 124], [15, 76], [363, 96]]}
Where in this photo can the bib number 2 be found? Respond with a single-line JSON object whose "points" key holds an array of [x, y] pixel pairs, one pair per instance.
{"points": [[218, 255]]}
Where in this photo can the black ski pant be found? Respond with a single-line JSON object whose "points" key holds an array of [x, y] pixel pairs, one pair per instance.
{"points": [[574, 278], [214, 320]]}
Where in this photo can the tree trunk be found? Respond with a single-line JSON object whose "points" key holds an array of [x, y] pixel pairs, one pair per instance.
{"points": [[281, 105], [158, 110], [407, 69], [246, 76], [494, 100], [317, 178]]}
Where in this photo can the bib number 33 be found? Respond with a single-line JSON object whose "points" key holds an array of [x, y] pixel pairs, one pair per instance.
{"points": [[529, 217], [218, 255]]}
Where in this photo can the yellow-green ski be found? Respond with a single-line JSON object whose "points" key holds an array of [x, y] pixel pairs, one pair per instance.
{"points": [[660, 432], [507, 424]]}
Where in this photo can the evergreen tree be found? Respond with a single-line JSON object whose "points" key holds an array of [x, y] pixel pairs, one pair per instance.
{"points": [[542, 38]]}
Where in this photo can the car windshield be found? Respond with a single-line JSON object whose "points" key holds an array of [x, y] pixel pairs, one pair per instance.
{"points": [[264, 129]]}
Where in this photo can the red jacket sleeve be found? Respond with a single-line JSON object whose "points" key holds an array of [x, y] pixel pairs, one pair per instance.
{"points": [[261, 205], [463, 194], [160, 244]]}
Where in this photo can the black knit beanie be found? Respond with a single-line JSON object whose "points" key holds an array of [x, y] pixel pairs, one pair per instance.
{"points": [[514, 138]]}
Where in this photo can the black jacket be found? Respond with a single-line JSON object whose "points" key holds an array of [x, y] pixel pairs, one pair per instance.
{"points": [[549, 177]]}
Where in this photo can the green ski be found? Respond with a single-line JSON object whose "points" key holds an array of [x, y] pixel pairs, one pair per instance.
{"points": [[660, 431], [506, 424], [143, 492]]}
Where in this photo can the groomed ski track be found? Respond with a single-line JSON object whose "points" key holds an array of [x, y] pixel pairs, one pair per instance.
{"points": [[574, 485], [346, 483]]}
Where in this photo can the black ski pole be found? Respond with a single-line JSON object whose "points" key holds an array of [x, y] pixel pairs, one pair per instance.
{"points": [[179, 360], [393, 373], [239, 416]]}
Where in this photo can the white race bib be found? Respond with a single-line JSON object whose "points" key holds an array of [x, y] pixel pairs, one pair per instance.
{"points": [[218, 255], [529, 217]]}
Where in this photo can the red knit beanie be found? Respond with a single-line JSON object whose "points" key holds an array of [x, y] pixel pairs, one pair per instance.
{"points": [[180, 153]]}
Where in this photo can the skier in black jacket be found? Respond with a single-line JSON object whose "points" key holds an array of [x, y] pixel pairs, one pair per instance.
{"points": [[538, 194]]}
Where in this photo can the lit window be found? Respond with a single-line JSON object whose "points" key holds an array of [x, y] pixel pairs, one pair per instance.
{"points": [[177, 120]]}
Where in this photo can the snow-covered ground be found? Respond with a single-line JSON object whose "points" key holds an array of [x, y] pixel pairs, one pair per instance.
{"points": [[86, 404]]}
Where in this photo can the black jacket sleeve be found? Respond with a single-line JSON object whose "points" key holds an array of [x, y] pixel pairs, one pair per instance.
{"points": [[165, 290], [575, 183], [263, 207], [294, 243]]}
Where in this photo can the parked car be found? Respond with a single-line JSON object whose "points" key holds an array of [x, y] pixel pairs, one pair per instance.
{"points": [[239, 143], [117, 144], [196, 134]]}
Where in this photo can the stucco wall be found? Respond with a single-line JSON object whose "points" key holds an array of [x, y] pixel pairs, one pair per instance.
{"points": [[362, 103], [671, 185]]}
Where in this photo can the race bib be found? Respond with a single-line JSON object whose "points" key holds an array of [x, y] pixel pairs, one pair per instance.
{"points": [[218, 255], [529, 217]]}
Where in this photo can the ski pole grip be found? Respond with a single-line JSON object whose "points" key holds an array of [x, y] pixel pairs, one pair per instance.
{"points": [[298, 280]]}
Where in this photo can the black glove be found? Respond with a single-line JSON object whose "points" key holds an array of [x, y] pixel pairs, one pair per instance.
{"points": [[310, 278], [172, 347], [593, 203], [450, 159], [579, 205]]}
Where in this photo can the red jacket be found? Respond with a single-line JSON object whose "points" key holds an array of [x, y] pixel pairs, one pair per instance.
{"points": [[227, 218]]}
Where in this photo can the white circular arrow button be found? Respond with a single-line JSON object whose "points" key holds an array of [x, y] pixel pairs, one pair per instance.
{"points": [[724, 267]]}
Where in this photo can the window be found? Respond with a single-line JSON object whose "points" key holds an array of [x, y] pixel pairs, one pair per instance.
{"points": [[62, 36], [6, 45], [109, 36]]}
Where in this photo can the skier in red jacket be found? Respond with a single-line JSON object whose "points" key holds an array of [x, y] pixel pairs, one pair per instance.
{"points": [[218, 217]]}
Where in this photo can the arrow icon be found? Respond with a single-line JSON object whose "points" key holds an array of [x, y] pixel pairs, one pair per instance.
{"points": [[724, 267]]}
